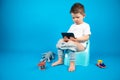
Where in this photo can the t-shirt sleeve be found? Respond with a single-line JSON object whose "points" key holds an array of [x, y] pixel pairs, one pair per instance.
{"points": [[87, 30]]}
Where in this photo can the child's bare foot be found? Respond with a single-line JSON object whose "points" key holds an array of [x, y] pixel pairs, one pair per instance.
{"points": [[57, 63], [72, 67]]}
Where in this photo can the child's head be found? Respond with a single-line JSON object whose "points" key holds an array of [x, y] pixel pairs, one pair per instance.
{"points": [[77, 8], [77, 11]]}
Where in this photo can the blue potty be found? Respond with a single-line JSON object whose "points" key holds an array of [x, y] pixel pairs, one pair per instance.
{"points": [[82, 57]]}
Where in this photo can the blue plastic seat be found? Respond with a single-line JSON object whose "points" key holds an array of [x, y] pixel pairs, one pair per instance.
{"points": [[82, 58]]}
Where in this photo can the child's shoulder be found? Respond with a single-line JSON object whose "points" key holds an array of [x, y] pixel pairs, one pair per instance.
{"points": [[86, 24]]}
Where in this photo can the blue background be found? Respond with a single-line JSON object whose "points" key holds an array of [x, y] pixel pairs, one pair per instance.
{"points": [[31, 27]]}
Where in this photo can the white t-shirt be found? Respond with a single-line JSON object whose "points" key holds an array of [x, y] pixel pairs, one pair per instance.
{"points": [[80, 30]]}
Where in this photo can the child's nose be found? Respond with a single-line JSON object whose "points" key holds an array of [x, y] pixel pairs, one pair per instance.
{"points": [[75, 19]]}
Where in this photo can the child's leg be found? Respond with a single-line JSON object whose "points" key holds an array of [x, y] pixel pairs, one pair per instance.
{"points": [[60, 53], [72, 61], [60, 58], [80, 47], [72, 66]]}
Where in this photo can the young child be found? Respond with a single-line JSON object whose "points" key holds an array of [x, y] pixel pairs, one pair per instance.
{"points": [[82, 33]]}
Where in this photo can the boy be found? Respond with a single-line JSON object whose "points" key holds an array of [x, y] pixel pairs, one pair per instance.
{"points": [[82, 33]]}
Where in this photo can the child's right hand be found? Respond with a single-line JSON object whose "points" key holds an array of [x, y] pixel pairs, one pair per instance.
{"points": [[66, 39]]}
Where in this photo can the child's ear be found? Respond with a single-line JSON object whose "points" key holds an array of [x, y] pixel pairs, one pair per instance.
{"points": [[84, 15]]}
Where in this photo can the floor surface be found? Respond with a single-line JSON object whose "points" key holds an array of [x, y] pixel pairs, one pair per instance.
{"points": [[23, 66]]}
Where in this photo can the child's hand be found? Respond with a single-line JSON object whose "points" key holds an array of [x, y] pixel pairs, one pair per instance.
{"points": [[72, 39], [66, 39]]}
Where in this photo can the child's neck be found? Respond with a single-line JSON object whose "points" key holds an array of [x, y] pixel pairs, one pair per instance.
{"points": [[79, 23]]}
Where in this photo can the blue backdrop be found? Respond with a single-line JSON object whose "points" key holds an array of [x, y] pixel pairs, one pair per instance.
{"points": [[34, 25], [31, 27]]}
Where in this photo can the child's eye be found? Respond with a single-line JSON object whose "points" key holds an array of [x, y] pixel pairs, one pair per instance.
{"points": [[77, 17]]}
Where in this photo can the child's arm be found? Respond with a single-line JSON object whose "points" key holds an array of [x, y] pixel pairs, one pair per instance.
{"points": [[83, 38], [80, 39]]}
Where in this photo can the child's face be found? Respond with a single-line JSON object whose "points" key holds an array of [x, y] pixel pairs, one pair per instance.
{"points": [[77, 18]]}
